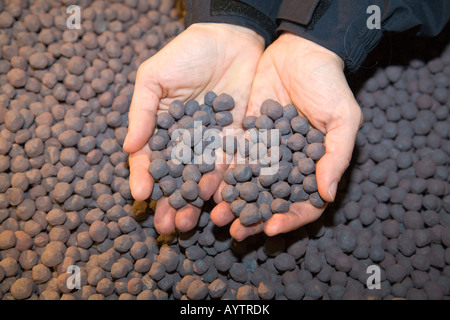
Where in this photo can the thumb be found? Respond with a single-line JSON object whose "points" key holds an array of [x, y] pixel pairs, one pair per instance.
{"points": [[339, 143], [144, 104]]}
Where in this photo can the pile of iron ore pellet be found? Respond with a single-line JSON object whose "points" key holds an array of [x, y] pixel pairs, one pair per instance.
{"points": [[184, 147], [273, 160], [278, 167], [66, 210]]}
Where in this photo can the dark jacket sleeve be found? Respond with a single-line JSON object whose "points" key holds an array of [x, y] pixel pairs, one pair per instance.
{"points": [[258, 15], [349, 28]]}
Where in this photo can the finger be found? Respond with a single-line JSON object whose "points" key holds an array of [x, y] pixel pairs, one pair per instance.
{"points": [[217, 194], [141, 182], [210, 181], [164, 216], [239, 232], [299, 214], [221, 214], [186, 218], [339, 144], [144, 104]]}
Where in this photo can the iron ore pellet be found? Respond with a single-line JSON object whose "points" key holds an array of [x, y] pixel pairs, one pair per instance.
{"points": [[237, 206], [191, 107], [310, 183], [249, 215], [264, 197], [229, 144], [222, 102], [266, 290], [238, 272], [295, 177], [229, 193], [204, 117], [7, 239], [315, 136], [315, 150], [189, 190], [158, 168], [272, 108], [127, 224], [300, 124], [242, 172], [249, 122], [177, 109], [168, 184], [294, 291], [306, 166], [284, 262], [279, 205], [283, 126], [316, 200], [224, 118], [248, 191], [197, 290], [297, 156], [217, 288], [210, 96], [298, 194], [198, 202], [98, 231], [123, 243], [265, 211], [290, 111], [280, 189], [22, 288], [267, 180], [158, 142], [176, 200], [191, 172], [175, 168], [263, 122], [296, 142]]}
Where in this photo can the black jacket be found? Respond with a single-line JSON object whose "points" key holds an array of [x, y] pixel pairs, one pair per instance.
{"points": [[347, 27]]}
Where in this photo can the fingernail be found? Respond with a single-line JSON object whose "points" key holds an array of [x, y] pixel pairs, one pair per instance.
{"points": [[332, 190], [125, 141]]}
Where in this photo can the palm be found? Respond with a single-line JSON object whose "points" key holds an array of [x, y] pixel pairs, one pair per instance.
{"points": [[311, 78], [205, 57], [198, 61]]}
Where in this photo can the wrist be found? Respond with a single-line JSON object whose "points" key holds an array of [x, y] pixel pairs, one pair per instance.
{"points": [[231, 32], [304, 47]]}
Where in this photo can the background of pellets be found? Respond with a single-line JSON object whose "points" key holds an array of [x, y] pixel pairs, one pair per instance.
{"points": [[64, 195]]}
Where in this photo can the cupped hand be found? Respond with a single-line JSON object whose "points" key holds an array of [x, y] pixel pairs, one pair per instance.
{"points": [[205, 57], [295, 70]]}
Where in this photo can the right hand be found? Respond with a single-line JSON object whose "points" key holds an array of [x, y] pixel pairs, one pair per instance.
{"points": [[205, 57]]}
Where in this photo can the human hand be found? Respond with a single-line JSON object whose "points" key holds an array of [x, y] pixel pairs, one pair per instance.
{"points": [[205, 57], [295, 70]]}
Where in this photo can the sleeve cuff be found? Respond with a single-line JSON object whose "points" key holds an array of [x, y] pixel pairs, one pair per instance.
{"points": [[300, 12], [351, 46], [345, 32], [232, 12]]}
